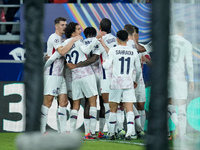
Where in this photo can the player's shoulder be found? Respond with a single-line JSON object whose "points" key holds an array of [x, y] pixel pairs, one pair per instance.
{"points": [[55, 38], [67, 41], [182, 40], [131, 43], [108, 36], [88, 40]]}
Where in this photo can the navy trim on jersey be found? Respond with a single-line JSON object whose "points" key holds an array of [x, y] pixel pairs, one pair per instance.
{"points": [[104, 73], [51, 69]]}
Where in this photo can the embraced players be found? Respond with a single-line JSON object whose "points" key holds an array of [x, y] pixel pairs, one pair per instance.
{"points": [[54, 82]]}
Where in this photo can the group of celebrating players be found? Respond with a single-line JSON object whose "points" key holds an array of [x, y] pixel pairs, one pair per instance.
{"points": [[101, 65]]}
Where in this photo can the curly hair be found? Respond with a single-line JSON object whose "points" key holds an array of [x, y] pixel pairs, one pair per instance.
{"points": [[90, 32], [71, 28]]}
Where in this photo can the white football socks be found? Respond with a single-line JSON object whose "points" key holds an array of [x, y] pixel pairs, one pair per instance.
{"points": [[142, 117], [112, 123], [73, 120], [93, 119], [87, 126], [101, 124], [182, 118], [130, 123], [107, 113], [62, 117], [137, 125], [44, 116]]}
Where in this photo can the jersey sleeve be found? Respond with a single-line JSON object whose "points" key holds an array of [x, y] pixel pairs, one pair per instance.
{"points": [[109, 60], [148, 47], [87, 48], [189, 62], [52, 59], [57, 42], [137, 66]]}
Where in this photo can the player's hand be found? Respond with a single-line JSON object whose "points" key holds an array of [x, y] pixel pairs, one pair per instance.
{"points": [[191, 87], [71, 66], [135, 85], [135, 37], [78, 37], [46, 57], [100, 34], [102, 42]]}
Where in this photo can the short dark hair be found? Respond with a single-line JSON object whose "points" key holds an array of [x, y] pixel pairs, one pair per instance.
{"points": [[57, 20], [131, 29], [90, 32], [71, 27], [105, 25], [122, 35]]}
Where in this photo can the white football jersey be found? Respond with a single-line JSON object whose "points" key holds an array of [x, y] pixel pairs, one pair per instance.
{"points": [[131, 44], [76, 55], [124, 60], [110, 41], [56, 68], [180, 57], [97, 49]]}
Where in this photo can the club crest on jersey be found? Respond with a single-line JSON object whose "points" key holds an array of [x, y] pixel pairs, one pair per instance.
{"points": [[56, 40], [56, 91]]}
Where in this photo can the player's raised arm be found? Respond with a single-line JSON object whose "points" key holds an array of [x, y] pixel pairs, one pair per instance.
{"points": [[137, 68], [108, 62], [139, 47], [64, 49], [86, 48], [52, 59], [104, 45], [189, 66]]}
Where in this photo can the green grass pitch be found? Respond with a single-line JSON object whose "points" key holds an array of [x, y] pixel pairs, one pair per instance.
{"points": [[7, 142]]}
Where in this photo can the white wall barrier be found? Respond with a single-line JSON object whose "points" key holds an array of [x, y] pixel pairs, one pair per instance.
{"points": [[12, 110]]}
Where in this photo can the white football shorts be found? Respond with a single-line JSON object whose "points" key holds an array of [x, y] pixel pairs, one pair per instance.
{"points": [[54, 85], [105, 86], [140, 91], [122, 95], [84, 87]]}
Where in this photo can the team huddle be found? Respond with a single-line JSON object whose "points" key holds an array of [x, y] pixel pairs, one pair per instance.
{"points": [[101, 65]]}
